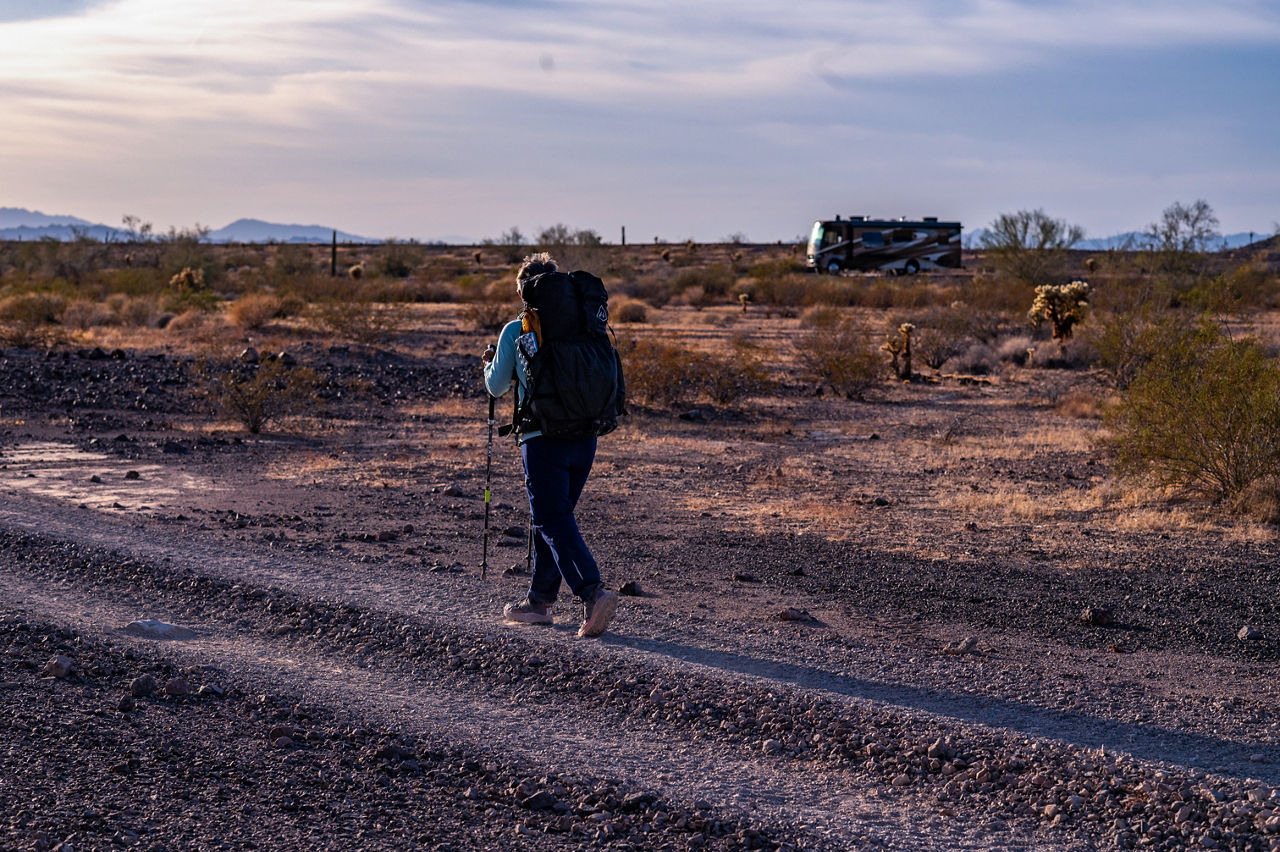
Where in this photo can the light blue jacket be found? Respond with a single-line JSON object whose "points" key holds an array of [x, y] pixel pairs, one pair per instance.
{"points": [[499, 372]]}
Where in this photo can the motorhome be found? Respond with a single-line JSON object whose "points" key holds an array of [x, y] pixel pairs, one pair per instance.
{"points": [[904, 246]]}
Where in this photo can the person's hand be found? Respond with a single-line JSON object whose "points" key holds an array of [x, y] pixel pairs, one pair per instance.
{"points": [[489, 352]]}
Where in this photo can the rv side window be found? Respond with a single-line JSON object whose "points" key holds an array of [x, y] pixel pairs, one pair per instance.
{"points": [[903, 235], [873, 238], [830, 236]]}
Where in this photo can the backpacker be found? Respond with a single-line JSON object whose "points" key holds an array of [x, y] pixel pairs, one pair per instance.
{"points": [[573, 374]]}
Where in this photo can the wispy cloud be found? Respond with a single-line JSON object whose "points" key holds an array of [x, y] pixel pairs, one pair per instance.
{"points": [[440, 91]]}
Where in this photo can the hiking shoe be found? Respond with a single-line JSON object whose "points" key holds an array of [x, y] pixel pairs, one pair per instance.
{"points": [[528, 612], [598, 612]]}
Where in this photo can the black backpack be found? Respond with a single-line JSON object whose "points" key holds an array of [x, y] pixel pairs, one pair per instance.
{"points": [[573, 374]]}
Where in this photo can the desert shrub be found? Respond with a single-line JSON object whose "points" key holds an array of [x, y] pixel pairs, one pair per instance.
{"points": [[1075, 354], [84, 314], [258, 393], [996, 295], [743, 374], [630, 310], [1015, 350], [488, 316], [132, 281], [664, 373], [1126, 341], [820, 316], [841, 356], [356, 318], [1249, 286], [654, 289], [1203, 414], [255, 310], [444, 268], [714, 281], [784, 290], [1063, 305], [976, 359], [398, 260], [779, 267], [1030, 246], [291, 305], [1080, 404], [187, 321], [1260, 500], [34, 309]]}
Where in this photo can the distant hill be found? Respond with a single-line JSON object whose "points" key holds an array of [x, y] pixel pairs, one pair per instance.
{"points": [[258, 231], [17, 223]]}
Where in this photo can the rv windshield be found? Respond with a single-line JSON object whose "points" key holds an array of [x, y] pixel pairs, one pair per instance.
{"points": [[815, 237]]}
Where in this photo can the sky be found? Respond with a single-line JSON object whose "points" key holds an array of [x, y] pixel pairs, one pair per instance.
{"points": [[678, 120]]}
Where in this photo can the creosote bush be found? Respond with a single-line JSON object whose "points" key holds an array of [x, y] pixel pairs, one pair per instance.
{"points": [[258, 393], [1202, 414], [664, 373], [629, 310], [840, 355], [255, 310]]}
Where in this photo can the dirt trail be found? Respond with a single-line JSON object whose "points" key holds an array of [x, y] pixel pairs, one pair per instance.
{"points": [[874, 670]]}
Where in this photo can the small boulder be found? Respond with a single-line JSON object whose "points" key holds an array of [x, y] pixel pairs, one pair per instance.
{"points": [[540, 801], [1097, 616], [142, 686], [793, 614], [58, 667], [127, 704], [132, 474], [630, 588], [1249, 633], [453, 491], [962, 646], [177, 687], [150, 628]]}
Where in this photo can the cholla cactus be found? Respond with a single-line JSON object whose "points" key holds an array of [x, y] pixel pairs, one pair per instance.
{"points": [[1063, 305], [188, 280], [899, 349]]}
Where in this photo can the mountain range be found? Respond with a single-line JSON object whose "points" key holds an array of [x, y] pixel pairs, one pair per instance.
{"points": [[17, 223]]}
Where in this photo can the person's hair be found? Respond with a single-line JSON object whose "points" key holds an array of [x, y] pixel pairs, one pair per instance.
{"points": [[535, 264]]}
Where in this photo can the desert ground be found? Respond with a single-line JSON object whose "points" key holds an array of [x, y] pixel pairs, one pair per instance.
{"points": [[932, 617]]}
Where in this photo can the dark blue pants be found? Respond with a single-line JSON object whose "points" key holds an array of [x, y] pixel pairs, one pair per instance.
{"points": [[555, 471]]}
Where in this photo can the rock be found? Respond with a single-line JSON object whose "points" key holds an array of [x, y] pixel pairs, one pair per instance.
{"points": [[902, 779], [540, 801], [177, 687], [132, 474], [249, 355], [282, 742], [150, 628], [693, 415], [636, 801], [58, 667], [630, 588], [793, 614], [744, 577], [771, 746], [453, 491], [516, 570], [1097, 616], [1249, 634], [127, 704], [95, 479], [391, 751], [210, 690], [142, 686], [515, 532], [962, 646]]}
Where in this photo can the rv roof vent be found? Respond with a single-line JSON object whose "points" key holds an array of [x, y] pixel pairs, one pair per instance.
{"points": [[931, 218], [856, 218]]}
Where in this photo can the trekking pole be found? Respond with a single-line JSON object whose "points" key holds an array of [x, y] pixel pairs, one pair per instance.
{"points": [[528, 557], [488, 477]]}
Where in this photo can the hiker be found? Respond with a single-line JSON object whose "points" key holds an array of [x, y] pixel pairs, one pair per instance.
{"points": [[555, 468]]}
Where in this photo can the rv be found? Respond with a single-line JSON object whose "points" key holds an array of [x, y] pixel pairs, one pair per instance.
{"points": [[903, 246]]}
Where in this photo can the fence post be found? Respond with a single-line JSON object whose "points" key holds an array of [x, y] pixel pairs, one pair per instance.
{"points": [[333, 257]]}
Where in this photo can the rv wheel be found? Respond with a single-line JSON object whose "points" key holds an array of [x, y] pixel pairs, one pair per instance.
{"points": [[912, 267], [833, 268]]}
